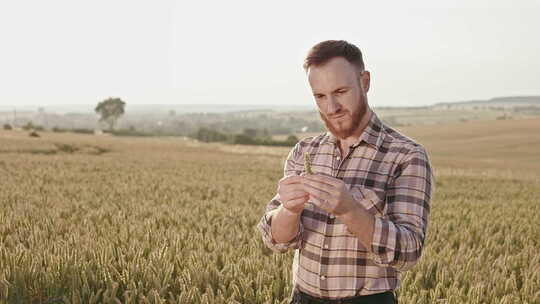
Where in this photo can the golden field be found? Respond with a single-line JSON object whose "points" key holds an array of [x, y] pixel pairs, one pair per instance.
{"points": [[97, 219]]}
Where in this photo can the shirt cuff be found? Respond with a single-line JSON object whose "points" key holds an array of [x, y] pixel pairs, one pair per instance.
{"points": [[265, 227], [384, 242]]}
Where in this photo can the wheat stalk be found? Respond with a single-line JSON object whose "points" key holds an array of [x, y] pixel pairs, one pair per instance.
{"points": [[307, 163]]}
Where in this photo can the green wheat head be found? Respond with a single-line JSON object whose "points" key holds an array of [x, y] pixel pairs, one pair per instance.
{"points": [[307, 163]]}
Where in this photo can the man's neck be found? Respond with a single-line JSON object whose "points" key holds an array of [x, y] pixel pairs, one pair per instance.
{"points": [[345, 143]]}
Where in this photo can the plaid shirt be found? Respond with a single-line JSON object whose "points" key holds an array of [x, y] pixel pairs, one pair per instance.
{"points": [[390, 176]]}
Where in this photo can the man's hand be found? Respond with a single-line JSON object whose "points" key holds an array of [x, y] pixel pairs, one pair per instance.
{"points": [[328, 193], [292, 195]]}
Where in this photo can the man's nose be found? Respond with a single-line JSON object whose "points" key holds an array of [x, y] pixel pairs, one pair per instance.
{"points": [[332, 106]]}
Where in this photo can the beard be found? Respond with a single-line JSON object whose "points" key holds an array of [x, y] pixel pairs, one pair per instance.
{"points": [[345, 128]]}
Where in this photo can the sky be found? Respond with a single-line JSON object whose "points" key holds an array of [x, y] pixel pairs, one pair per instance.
{"points": [[251, 52]]}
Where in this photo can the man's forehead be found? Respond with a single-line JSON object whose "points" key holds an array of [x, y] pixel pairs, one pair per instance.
{"points": [[336, 72]]}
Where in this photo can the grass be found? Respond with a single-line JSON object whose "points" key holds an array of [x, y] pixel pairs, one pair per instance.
{"points": [[163, 220]]}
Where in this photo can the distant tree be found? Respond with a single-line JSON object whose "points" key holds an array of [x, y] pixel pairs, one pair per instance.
{"points": [[8, 127], [292, 139], [250, 132], [29, 126], [110, 110], [243, 139], [209, 135]]}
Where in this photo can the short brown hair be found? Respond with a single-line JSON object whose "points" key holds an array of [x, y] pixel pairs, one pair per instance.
{"points": [[322, 52]]}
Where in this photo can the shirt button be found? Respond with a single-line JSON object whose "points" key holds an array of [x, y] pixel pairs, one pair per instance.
{"points": [[338, 158], [326, 246], [323, 278], [331, 216]]}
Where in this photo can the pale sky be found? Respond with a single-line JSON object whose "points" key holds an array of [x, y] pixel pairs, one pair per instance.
{"points": [[251, 52]]}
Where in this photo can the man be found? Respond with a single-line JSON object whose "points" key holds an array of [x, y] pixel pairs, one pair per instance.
{"points": [[361, 218]]}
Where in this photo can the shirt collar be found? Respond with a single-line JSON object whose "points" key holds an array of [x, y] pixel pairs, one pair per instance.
{"points": [[373, 134]]}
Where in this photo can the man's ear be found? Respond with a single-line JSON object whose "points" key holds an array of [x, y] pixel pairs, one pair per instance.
{"points": [[365, 80]]}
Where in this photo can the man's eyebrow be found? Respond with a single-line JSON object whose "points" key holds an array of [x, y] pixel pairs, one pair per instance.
{"points": [[341, 88], [345, 87]]}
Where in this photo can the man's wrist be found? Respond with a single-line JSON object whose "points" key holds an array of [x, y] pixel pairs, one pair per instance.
{"points": [[360, 223], [289, 213], [350, 215]]}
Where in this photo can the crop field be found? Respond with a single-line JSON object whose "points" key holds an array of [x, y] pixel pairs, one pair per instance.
{"points": [[98, 219]]}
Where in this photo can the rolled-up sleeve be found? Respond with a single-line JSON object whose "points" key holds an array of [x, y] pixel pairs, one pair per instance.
{"points": [[399, 235], [265, 224], [265, 228]]}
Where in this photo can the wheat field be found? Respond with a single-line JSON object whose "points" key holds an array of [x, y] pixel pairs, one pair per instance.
{"points": [[97, 219]]}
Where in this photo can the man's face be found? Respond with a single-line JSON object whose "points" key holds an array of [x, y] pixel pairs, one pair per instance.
{"points": [[340, 93]]}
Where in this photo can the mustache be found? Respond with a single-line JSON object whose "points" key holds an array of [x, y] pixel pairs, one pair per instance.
{"points": [[340, 113]]}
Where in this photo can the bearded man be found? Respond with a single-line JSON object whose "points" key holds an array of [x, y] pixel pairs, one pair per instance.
{"points": [[360, 219]]}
